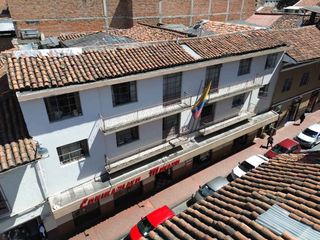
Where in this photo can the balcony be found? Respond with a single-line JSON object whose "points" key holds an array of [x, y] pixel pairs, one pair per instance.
{"points": [[150, 113], [144, 115], [122, 161]]}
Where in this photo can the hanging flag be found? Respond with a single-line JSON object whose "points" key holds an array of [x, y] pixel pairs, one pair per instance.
{"points": [[198, 106]]}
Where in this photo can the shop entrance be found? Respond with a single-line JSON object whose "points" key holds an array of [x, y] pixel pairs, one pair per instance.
{"points": [[87, 216], [26, 231], [240, 143], [163, 180], [128, 197], [312, 101], [201, 161], [293, 111]]}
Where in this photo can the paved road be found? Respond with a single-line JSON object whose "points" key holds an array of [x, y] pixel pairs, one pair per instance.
{"points": [[118, 225]]}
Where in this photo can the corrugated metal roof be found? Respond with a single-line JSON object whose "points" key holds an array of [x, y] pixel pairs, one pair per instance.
{"points": [[278, 220]]}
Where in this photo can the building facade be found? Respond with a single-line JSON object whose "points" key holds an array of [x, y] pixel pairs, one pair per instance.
{"points": [[128, 129], [80, 16]]}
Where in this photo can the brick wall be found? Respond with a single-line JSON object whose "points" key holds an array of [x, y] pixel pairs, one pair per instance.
{"points": [[84, 15], [3, 5]]}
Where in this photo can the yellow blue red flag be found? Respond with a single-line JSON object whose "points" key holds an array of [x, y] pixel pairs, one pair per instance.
{"points": [[198, 106]]}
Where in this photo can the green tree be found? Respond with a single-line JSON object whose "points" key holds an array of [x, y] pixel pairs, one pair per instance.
{"points": [[285, 3]]}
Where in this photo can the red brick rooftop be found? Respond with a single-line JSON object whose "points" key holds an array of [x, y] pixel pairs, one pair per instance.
{"points": [[231, 212], [48, 71]]}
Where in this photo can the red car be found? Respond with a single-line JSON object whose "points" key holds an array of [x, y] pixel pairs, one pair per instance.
{"points": [[150, 222], [285, 146]]}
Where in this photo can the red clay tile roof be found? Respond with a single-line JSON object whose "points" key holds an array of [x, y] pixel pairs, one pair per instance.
{"points": [[144, 33], [139, 32], [288, 21], [263, 19], [232, 44], [223, 27], [304, 42], [308, 3], [231, 212], [47, 71], [16, 146]]}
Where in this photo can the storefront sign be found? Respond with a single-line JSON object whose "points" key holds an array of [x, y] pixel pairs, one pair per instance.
{"points": [[165, 167], [90, 200]]}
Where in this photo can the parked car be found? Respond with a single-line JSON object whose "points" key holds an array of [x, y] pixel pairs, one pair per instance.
{"points": [[285, 146], [209, 188], [310, 136], [247, 165], [150, 222]]}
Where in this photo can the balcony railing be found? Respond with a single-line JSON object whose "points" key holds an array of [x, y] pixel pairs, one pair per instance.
{"points": [[152, 112], [149, 113]]}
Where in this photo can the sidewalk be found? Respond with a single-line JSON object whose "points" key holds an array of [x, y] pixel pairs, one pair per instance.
{"points": [[120, 224]]}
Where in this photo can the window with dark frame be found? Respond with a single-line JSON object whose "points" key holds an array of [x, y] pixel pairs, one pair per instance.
{"points": [[238, 100], [244, 66], [170, 126], [63, 106], [304, 79], [213, 75], [73, 151], [172, 88], [124, 93], [263, 92], [127, 136], [207, 114], [271, 61], [287, 85], [3, 204]]}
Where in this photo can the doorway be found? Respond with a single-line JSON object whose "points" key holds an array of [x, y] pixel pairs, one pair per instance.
{"points": [[312, 101], [294, 108]]}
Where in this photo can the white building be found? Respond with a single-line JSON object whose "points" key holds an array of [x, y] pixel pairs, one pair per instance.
{"points": [[130, 119]]}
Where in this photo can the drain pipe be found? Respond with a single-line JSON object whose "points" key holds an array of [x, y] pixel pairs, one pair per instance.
{"points": [[105, 13]]}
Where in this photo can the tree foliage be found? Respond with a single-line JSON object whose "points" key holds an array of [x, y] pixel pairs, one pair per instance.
{"points": [[285, 3]]}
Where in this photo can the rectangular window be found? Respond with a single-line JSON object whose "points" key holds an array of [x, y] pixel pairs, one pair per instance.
{"points": [[263, 92], [207, 114], [171, 126], [244, 66], [127, 136], [271, 61], [304, 79], [213, 75], [124, 93], [287, 85], [238, 100], [172, 88], [63, 106], [3, 204], [73, 151]]}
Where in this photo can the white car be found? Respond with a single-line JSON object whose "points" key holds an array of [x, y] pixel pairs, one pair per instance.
{"points": [[247, 165], [310, 136]]}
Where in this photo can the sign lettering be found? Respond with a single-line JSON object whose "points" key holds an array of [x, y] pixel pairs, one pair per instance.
{"points": [[165, 167], [90, 200]]}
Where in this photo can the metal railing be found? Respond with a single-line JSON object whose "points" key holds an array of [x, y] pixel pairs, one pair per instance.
{"points": [[146, 113], [72, 156]]}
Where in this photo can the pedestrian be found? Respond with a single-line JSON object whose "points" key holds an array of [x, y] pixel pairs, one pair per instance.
{"points": [[269, 141], [302, 117]]}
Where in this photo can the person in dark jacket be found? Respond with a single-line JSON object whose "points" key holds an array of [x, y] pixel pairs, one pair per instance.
{"points": [[302, 117], [269, 141]]}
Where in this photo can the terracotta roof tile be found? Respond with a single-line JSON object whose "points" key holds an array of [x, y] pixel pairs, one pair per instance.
{"points": [[16, 146], [39, 71], [288, 21], [231, 212], [224, 27]]}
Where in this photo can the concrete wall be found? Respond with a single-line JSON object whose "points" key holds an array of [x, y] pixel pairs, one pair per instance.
{"points": [[25, 197], [88, 15]]}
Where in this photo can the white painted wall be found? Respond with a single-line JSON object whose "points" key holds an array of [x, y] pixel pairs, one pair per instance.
{"points": [[23, 193], [99, 101]]}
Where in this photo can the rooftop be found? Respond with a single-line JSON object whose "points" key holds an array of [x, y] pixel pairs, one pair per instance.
{"points": [[16, 145], [304, 42], [38, 69], [241, 209]]}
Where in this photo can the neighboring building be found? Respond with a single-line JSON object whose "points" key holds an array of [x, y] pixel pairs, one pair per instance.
{"points": [[52, 18], [117, 122], [277, 200], [298, 86]]}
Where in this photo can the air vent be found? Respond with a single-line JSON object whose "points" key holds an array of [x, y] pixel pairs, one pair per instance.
{"points": [[30, 34]]}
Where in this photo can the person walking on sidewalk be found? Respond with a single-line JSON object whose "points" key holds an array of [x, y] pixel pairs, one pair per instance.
{"points": [[302, 117], [269, 141]]}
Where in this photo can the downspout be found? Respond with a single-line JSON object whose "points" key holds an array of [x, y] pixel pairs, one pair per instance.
{"points": [[105, 13]]}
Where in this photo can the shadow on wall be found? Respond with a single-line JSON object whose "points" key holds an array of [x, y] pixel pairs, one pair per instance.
{"points": [[123, 15]]}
